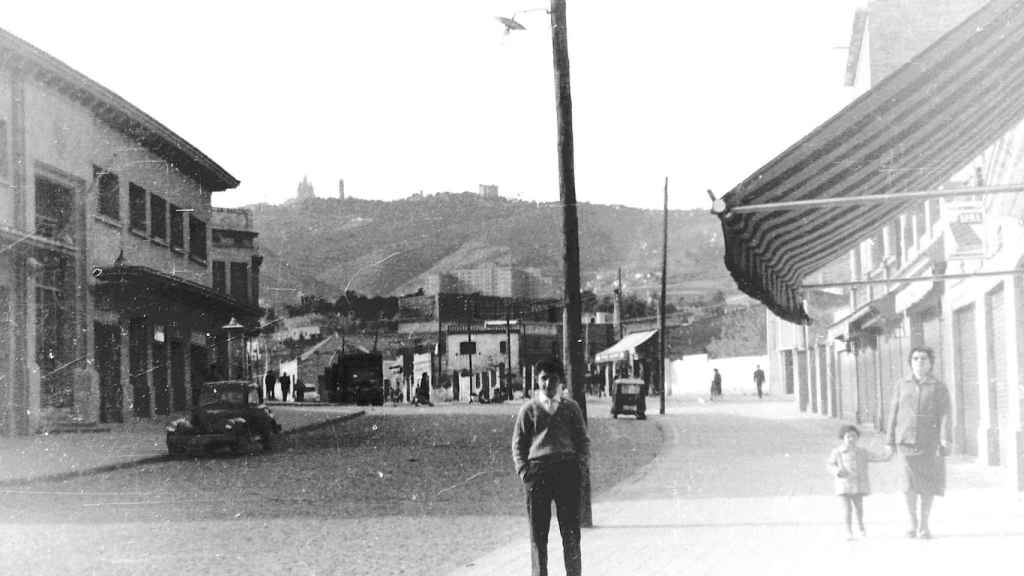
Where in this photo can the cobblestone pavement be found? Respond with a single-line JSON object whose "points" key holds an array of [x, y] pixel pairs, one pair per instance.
{"points": [[741, 488], [26, 458]]}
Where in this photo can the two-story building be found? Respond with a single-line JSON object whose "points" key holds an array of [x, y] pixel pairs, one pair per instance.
{"points": [[108, 308], [905, 209]]}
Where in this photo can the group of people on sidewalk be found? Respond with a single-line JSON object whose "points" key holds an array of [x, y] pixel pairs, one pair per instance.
{"points": [[284, 381], [920, 431], [551, 453]]}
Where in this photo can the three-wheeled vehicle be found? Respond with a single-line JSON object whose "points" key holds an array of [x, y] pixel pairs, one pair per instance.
{"points": [[229, 416], [629, 396]]}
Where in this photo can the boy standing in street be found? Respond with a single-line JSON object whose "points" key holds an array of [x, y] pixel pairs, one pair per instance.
{"points": [[551, 452]]}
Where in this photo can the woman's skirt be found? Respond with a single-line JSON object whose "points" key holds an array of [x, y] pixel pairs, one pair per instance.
{"points": [[924, 471]]}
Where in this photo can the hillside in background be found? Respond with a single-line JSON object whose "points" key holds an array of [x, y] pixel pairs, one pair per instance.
{"points": [[324, 246]]}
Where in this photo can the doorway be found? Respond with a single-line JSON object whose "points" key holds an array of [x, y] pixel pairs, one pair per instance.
{"points": [[966, 385], [108, 364]]}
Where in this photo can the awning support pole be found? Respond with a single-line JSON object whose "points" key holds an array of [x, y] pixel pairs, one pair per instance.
{"points": [[895, 197], [938, 278]]}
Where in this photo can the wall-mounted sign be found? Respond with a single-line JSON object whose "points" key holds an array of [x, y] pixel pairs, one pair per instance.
{"points": [[965, 234]]}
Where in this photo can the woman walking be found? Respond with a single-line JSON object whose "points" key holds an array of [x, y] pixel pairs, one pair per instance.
{"points": [[919, 429]]}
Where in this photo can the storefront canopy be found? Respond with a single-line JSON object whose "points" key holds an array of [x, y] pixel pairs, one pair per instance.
{"points": [[911, 132], [140, 286], [622, 349]]}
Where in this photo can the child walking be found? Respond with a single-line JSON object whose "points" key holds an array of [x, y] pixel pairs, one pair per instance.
{"points": [[848, 463]]}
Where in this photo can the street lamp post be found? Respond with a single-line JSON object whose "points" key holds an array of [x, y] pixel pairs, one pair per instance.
{"points": [[572, 343], [230, 328]]}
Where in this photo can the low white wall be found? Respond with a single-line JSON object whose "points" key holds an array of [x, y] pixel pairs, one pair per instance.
{"points": [[692, 374]]}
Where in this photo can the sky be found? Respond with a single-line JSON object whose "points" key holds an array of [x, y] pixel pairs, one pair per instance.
{"points": [[405, 96]]}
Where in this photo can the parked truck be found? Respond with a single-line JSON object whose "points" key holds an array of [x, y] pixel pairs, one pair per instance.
{"points": [[357, 379]]}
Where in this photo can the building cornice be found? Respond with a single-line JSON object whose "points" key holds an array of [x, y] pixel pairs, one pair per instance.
{"points": [[114, 111]]}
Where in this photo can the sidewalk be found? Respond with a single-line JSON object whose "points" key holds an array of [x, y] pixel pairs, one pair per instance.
{"points": [[25, 459], [741, 488]]}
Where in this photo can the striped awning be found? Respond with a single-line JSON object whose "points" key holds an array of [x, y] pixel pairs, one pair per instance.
{"points": [[623, 349], [912, 131]]}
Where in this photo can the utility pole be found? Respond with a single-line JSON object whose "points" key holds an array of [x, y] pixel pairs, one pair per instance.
{"points": [[661, 305], [469, 347], [440, 346], [507, 393], [618, 307], [572, 351]]}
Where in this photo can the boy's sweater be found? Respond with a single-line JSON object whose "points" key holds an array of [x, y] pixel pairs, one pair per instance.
{"points": [[540, 435]]}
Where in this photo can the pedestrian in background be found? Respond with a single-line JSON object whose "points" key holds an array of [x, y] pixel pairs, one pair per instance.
{"points": [[759, 380], [286, 384], [848, 463], [300, 390], [551, 452], [423, 391], [919, 427], [268, 381], [716, 385]]}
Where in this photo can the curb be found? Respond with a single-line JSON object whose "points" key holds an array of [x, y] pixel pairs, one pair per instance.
{"points": [[324, 424], [61, 476]]}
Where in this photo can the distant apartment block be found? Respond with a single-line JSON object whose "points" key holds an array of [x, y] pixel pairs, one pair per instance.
{"points": [[501, 281], [429, 313], [489, 190]]}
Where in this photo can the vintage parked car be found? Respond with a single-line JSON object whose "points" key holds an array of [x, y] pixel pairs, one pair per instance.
{"points": [[229, 416], [629, 396]]}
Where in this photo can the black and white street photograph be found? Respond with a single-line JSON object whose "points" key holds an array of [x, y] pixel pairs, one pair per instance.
{"points": [[511, 287]]}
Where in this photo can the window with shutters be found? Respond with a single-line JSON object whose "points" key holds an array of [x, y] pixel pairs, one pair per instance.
{"points": [[240, 281], [196, 238], [157, 217], [137, 207], [108, 193], [219, 277], [177, 228]]}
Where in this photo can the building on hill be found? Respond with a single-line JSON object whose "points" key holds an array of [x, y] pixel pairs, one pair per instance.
{"points": [[306, 326], [432, 313], [305, 190], [105, 251], [491, 280], [489, 190], [341, 189]]}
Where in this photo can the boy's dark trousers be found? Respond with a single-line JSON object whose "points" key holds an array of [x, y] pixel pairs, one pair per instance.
{"points": [[559, 482]]}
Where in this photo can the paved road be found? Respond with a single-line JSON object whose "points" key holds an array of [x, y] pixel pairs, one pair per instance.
{"points": [[741, 489], [400, 490]]}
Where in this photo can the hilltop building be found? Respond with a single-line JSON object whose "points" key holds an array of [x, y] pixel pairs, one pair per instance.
{"points": [[341, 189], [489, 190], [304, 190]]}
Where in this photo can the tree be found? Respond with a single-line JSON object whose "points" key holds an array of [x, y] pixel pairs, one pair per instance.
{"points": [[742, 333]]}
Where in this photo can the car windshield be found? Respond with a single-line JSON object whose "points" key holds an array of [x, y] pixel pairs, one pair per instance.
{"points": [[228, 394]]}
